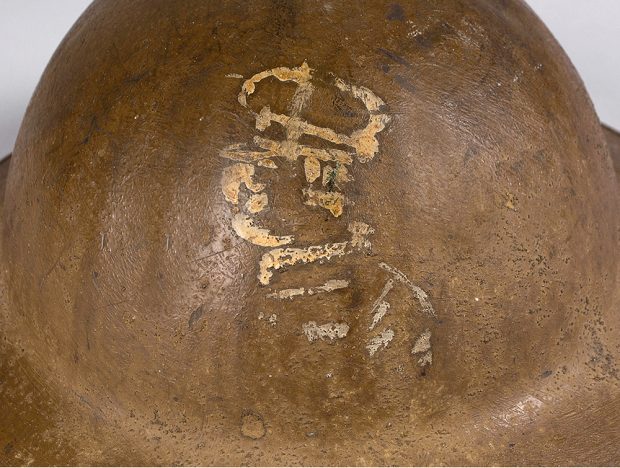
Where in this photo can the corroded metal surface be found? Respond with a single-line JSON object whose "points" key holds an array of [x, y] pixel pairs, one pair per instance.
{"points": [[310, 233]]}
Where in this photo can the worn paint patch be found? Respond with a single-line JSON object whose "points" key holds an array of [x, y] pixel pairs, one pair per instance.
{"points": [[257, 202], [524, 411], [236, 175], [287, 293], [380, 342], [335, 177], [301, 74], [359, 235], [268, 163], [279, 258], [312, 169], [423, 343], [378, 310], [329, 286], [423, 346], [381, 310], [327, 331], [418, 292], [245, 228], [331, 201], [426, 359]]}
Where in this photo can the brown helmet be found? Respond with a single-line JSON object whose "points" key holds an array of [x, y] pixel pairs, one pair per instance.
{"points": [[336, 232]]}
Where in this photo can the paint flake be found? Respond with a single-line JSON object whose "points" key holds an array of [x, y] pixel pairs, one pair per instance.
{"points": [[328, 331]]}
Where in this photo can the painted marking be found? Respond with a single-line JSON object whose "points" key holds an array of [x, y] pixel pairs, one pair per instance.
{"points": [[331, 201], [328, 331], [423, 346], [257, 202], [377, 309], [524, 411], [381, 306], [324, 180], [277, 259], [236, 175], [382, 309], [244, 227], [379, 342], [312, 169], [329, 286], [418, 292]]}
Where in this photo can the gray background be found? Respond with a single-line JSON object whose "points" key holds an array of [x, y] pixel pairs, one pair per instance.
{"points": [[30, 30]]}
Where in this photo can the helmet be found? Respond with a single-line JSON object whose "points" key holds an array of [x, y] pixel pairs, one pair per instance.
{"points": [[327, 233]]}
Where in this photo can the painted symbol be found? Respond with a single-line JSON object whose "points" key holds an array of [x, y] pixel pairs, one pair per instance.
{"points": [[326, 173]]}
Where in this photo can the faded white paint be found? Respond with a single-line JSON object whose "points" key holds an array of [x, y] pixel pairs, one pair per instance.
{"points": [[244, 227], [329, 286], [377, 309], [325, 174], [423, 346], [524, 410], [381, 310], [418, 292], [279, 258], [236, 175], [327, 331], [380, 342], [423, 343]]}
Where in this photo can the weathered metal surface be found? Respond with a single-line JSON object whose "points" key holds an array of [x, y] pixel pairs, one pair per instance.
{"points": [[613, 142], [310, 233]]}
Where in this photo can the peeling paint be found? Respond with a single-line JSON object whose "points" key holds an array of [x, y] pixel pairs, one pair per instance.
{"points": [[359, 235], [423, 343], [257, 202], [279, 258], [276, 259], [365, 141], [331, 201], [327, 331], [236, 175], [300, 74], [382, 309], [426, 359], [287, 293], [336, 176], [312, 169], [381, 341], [423, 346], [329, 286], [268, 163], [245, 228], [375, 310], [418, 292]]}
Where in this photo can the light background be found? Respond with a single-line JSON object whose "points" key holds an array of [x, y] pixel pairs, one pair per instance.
{"points": [[30, 31]]}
